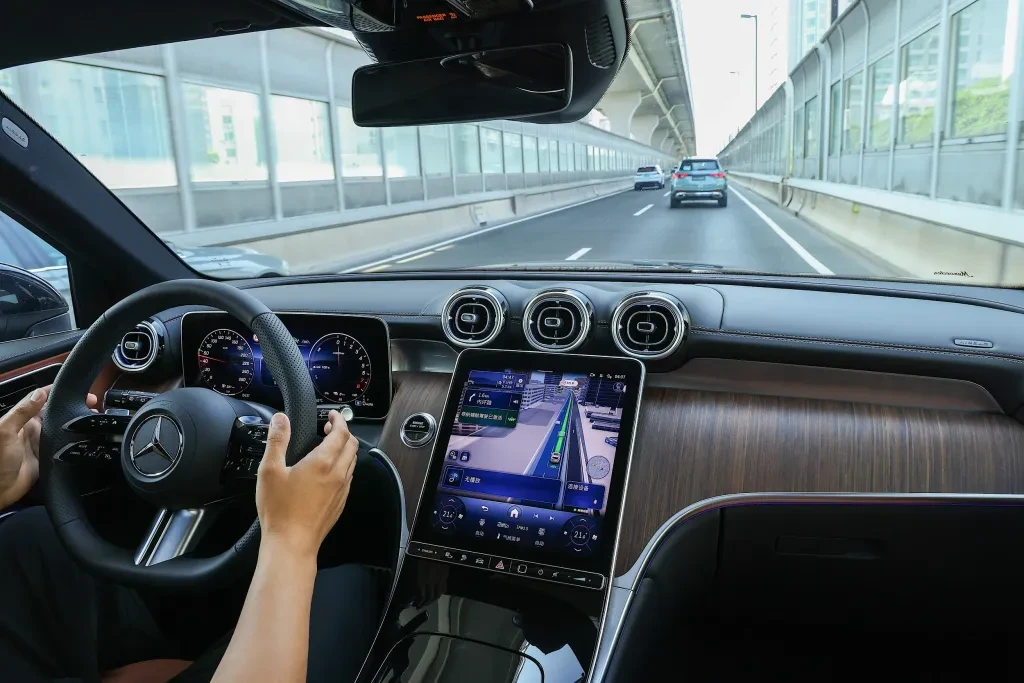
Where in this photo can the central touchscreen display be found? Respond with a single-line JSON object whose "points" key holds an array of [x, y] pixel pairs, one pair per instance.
{"points": [[529, 456]]}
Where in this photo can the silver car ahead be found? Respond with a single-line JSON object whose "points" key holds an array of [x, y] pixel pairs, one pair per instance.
{"points": [[699, 180]]}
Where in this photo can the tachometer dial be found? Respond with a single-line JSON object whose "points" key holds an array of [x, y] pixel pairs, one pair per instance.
{"points": [[340, 367], [598, 467], [226, 362]]}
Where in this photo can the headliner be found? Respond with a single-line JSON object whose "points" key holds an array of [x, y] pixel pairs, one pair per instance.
{"points": [[32, 32]]}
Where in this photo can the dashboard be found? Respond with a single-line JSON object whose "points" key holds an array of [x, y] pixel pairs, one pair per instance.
{"points": [[746, 386], [348, 358]]}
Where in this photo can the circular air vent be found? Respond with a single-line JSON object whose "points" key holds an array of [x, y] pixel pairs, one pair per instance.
{"points": [[649, 325], [138, 348], [474, 316], [557, 320]]}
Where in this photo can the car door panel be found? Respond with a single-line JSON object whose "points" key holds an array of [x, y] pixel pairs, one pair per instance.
{"points": [[26, 364]]}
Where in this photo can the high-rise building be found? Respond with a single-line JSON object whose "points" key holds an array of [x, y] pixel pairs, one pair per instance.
{"points": [[809, 20], [552, 386], [533, 393]]}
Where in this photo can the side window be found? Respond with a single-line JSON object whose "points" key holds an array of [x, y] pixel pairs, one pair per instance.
{"points": [[35, 295]]}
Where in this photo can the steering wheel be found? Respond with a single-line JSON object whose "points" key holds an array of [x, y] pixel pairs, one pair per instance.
{"points": [[173, 448]]}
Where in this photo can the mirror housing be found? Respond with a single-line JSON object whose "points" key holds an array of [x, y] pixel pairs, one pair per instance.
{"points": [[507, 83], [30, 306], [593, 33]]}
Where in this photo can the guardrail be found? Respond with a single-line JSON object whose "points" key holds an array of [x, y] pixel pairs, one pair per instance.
{"points": [[923, 238], [345, 239]]}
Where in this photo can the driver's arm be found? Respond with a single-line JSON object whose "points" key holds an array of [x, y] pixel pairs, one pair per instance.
{"points": [[297, 506]]}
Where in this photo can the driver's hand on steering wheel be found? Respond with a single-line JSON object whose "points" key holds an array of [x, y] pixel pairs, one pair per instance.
{"points": [[298, 505], [19, 445]]}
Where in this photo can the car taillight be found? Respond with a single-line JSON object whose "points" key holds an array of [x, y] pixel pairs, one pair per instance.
{"points": [[717, 175], [680, 175]]}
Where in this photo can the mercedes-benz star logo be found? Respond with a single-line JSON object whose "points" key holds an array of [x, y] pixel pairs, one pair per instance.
{"points": [[156, 445]]}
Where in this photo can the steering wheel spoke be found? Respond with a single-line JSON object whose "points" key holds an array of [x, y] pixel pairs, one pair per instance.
{"points": [[172, 533], [245, 450]]}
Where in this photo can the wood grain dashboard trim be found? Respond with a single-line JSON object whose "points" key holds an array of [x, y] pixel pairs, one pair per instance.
{"points": [[414, 392], [693, 445], [697, 444]]}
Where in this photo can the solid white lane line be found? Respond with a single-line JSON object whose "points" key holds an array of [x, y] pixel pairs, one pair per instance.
{"points": [[577, 254], [374, 269], [447, 246], [413, 258], [794, 245], [643, 209], [667, 193], [364, 267]]}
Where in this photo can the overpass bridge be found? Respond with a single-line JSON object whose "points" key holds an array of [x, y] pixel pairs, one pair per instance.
{"points": [[650, 99]]}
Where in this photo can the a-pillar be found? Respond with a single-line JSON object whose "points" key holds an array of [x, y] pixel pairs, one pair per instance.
{"points": [[643, 127], [619, 108]]}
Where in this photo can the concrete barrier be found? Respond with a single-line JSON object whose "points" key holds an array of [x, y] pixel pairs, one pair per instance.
{"points": [[916, 236], [349, 238]]}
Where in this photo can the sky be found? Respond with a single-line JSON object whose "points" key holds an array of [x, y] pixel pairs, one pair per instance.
{"points": [[718, 42]]}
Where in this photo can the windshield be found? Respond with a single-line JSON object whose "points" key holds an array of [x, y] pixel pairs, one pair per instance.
{"points": [[699, 165], [794, 137]]}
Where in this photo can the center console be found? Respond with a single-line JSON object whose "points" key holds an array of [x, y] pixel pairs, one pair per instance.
{"points": [[507, 570]]}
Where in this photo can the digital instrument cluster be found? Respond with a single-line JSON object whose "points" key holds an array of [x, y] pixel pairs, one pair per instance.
{"points": [[529, 464], [348, 358]]}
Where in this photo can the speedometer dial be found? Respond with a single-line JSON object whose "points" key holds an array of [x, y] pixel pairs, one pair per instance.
{"points": [[225, 362], [340, 367]]}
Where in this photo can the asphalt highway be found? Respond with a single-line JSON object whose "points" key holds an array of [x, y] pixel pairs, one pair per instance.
{"points": [[750, 233]]}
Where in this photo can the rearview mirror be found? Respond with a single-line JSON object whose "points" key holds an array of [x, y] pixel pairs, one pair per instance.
{"points": [[506, 83]]}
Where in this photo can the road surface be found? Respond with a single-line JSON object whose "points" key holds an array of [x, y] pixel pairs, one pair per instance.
{"points": [[749, 233]]}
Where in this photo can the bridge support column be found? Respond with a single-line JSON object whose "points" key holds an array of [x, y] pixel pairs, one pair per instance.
{"points": [[642, 128], [659, 138], [619, 108]]}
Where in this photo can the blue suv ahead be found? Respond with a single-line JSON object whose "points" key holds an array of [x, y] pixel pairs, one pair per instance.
{"points": [[698, 180]]}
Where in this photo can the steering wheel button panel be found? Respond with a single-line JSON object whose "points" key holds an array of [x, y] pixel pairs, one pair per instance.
{"points": [[86, 452], [97, 424], [123, 398]]}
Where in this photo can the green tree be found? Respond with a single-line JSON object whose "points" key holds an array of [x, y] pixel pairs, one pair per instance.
{"points": [[981, 109]]}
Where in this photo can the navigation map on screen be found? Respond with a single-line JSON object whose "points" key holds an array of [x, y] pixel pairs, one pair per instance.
{"points": [[530, 458]]}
